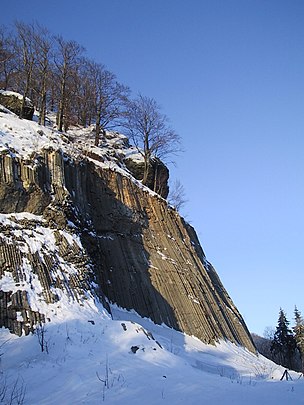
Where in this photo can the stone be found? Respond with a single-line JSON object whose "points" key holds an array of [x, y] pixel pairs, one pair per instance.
{"points": [[13, 303], [158, 175], [13, 102]]}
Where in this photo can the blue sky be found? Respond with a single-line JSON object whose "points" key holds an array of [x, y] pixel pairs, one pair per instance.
{"points": [[229, 75]]}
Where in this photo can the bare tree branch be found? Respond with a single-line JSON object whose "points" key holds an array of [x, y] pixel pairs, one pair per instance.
{"points": [[148, 128]]}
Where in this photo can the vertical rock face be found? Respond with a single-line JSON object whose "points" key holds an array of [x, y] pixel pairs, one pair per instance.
{"points": [[142, 254]]}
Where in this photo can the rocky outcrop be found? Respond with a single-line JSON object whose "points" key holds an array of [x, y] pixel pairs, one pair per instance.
{"points": [[158, 174], [26, 186], [16, 313], [141, 253], [13, 102]]}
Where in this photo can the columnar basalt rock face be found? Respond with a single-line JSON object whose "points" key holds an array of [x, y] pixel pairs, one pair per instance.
{"points": [[16, 313], [37, 259], [142, 254]]}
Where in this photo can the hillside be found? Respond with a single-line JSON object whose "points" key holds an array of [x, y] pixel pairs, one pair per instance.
{"points": [[130, 306]]}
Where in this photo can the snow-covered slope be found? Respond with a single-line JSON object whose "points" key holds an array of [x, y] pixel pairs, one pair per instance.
{"points": [[129, 360]]}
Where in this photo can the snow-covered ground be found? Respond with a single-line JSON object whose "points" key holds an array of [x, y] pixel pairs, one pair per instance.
{"points": [[90, 358], [129, 360]]}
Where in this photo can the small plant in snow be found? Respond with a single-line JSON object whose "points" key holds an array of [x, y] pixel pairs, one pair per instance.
{"points": [[260, 370], [12, 394], [68, 339], [110, 379], [40, 332], [105, 380]]}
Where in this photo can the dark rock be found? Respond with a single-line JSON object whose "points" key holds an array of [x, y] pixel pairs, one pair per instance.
{"points": [[13, 102], [158, 175], [13, 303]]}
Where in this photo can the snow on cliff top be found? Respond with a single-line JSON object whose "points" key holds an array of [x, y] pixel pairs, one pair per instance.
{"points": [[26, 138]]}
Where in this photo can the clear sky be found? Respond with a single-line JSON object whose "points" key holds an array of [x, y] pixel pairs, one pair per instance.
{"points": [[230, 76]]}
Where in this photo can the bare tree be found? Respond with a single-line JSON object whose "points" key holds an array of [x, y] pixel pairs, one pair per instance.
{"points": [[177, 196], [43, 49], [149, 130], [84, 92], [66, 59], [8, 65], [110, 99], [25, 47]]}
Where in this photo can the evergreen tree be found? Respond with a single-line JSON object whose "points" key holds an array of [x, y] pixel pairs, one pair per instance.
{"points": [[299, 335], [283, 345]]}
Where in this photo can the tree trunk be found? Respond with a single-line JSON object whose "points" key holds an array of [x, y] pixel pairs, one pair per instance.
{"points": [[60, 116], [61, 106], [24, 97], [146, 169], [147, 154], [97, 128], [62, 97], [155, 185], [42, 114], [22, 106], [43, 110]]}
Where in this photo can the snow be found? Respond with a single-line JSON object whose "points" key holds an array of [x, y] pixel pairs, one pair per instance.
{"points": [[90, 360], [24, 138], [93, 357], [13, 93]]}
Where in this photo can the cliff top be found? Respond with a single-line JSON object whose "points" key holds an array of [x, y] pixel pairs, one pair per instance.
{"points": [[26, 138]]}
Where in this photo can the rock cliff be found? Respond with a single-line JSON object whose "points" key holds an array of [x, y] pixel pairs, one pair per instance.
{"points": [[70, 223]]}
